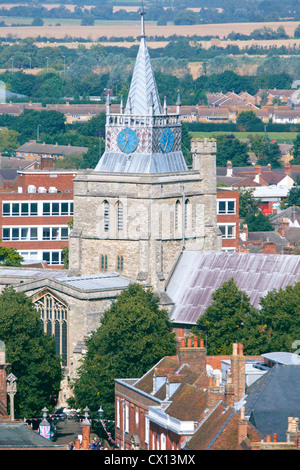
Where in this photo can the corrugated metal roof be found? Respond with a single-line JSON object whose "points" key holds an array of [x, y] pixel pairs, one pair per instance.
{"points": [[199, 274]]}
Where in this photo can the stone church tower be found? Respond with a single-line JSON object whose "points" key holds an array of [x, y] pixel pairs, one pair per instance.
{"points": [[141, 206]]}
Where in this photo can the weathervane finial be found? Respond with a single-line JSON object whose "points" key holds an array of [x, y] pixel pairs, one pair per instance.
{"points": [[142, 13]]}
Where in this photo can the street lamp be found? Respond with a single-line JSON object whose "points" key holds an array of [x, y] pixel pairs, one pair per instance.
{"points": [[47, 63], [101, 412], [12, 64]]}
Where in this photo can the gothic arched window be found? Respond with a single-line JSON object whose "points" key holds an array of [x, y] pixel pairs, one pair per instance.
{"points": [[120, 216], [106, 216], [176, 215], [103, 263], [120, 262], [186, 213], [54, 318]]}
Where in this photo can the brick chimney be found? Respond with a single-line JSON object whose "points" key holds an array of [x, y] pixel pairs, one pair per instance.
{"points": [[293, 434], [269, 247], [257, 173], [238, 371], [229, 168], [214, 392], [287, 169], [47, 163], [242, 426], [192, 354], [229, 392], [282, 226]]}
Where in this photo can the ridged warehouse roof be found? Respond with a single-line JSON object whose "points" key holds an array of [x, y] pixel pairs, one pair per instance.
{"points": [[198, 274]]}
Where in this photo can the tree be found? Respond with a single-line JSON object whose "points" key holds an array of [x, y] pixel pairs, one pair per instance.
{"points": [[10, 257], [296, 150], [293, 197], [258, 222], [134, 334], [246, 119], [247, 202], [275, 326], [30, 353], [225, 319], [229, 148]]}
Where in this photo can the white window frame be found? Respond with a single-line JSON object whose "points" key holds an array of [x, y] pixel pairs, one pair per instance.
{"points": [[226, 210], [226, 235]]}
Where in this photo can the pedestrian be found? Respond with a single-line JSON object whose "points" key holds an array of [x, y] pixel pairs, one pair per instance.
{"points": [[71, 445], [95, 445]]}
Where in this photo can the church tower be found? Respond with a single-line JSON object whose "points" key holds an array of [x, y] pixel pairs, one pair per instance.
{"points": [[141, 206]]}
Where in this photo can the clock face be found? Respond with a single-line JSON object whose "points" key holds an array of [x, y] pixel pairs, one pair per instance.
{"points": [[127, 140], [166, 140]]}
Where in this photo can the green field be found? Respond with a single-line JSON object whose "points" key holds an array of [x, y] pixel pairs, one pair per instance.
{"points": [[287, 137]]}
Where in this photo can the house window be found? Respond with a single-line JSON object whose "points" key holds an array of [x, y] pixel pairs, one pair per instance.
{"points": [[106, 216]]}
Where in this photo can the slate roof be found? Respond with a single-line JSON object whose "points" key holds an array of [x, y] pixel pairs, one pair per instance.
{"points": [[274, 397], [19, 435], [198, 274], [50, 148]]}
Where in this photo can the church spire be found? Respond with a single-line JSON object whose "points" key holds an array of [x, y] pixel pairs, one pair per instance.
{"points": [[143, 88]]}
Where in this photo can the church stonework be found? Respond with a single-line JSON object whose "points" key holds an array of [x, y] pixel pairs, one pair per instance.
{"points": [[141, 206], [160, 215], [134, 215]]}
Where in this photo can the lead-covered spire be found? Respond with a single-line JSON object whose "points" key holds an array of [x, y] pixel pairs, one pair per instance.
{"points": [[143, 93]]}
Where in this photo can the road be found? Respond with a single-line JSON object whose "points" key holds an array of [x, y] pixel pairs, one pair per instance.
{"points": [[67, 431]]}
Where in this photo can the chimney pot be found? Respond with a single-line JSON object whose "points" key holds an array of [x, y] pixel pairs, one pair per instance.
{"points": [[274, 437], [189, 342], [201, 343], [182, 343], [195, 342]]}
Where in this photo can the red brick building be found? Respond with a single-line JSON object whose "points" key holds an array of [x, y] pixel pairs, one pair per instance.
{"points": [[178, 405], [228, 218], [34, 220]]}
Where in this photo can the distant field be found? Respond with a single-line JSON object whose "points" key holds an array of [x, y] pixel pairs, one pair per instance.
{"points": [[278, 136], [132, 28]]}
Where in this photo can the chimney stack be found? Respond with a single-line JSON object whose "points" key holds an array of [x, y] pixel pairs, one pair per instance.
{"points": [[242, 426], [238, 371], [190, 353]]}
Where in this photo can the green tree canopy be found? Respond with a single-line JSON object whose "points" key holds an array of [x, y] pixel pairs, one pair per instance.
{"points": [[225, 319], [293, 197], [30, 353], [134, 334], [10, 257], [231, 318], [229, 148]]}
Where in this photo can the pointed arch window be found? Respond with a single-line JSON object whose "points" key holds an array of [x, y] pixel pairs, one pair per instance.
{"points": [[104, 262], [106, 216], [120, 216], [186, 213], [176, 215], [54, 318], [120, 263]]}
